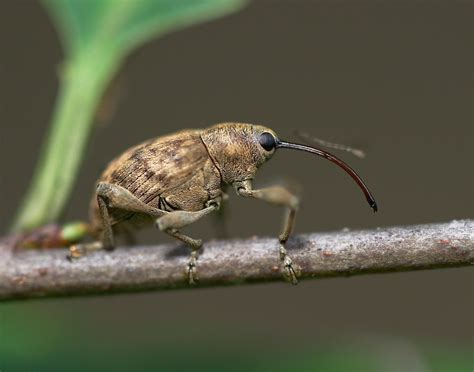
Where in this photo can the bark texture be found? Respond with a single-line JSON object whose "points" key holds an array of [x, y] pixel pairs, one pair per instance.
{"points": [[47, 273]]}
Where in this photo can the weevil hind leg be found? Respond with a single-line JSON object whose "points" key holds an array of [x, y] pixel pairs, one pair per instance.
{"points": [[107, 241], [277, 195], [111, 196], [173, 221]]}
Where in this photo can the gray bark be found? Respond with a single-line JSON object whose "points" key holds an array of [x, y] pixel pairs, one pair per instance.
{"points": [[47, 273]]}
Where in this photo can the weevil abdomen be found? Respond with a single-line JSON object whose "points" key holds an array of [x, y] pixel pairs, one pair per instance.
{"points": [[169, 173]]}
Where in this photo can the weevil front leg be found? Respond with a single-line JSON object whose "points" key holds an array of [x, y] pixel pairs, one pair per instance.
{"points": [[112, 196], [279, 196], [173, 221]]}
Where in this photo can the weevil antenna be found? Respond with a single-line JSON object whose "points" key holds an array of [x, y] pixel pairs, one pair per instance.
{"points": [[296, 146], [330, 145]]}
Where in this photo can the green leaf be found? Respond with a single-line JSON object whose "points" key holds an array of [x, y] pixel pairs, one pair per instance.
{"points": [[97, 35], [121, 25]]}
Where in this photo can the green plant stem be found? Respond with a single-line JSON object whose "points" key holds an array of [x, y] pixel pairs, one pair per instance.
{"points": [[82, 86]]}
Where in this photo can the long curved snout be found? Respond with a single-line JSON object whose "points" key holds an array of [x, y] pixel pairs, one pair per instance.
{"points": [[313, 150]]}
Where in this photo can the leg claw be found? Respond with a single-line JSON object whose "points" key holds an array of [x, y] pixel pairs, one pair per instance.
{"points": [[78, 250], [191, 272], [75, 252], [292, 271]]}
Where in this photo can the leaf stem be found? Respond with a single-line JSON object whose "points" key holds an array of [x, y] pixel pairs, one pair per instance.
{"points": [[83, 84]]}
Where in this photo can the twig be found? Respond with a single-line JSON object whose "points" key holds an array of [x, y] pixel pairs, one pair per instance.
{"points": [[46, 273]]}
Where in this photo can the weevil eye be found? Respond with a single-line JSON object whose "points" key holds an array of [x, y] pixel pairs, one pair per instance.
{"points": [[267, 141]]}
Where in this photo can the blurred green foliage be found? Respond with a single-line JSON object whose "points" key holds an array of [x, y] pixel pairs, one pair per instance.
{"points": [[73, 356], [97, 35], [117, 27], [33, 340]]}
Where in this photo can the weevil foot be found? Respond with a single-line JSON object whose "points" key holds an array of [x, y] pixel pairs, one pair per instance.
{"points": [[191, 271], [79, 250], [291, 270], [192, 275], [75, 252]]}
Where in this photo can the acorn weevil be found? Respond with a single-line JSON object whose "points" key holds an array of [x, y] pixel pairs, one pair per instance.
{"points": [[177, 179]]}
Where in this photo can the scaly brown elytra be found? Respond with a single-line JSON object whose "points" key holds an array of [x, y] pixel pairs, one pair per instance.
{"points": [[177, 179]]}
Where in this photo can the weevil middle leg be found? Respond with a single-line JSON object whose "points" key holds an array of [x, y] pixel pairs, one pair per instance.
{"points": [[173, 221], [279, 196]]}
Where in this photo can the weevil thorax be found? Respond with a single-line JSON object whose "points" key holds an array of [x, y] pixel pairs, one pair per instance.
{"points": [[236, 149]]}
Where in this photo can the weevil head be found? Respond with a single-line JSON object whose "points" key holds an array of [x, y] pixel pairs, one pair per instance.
{"points": [[238, 149]]}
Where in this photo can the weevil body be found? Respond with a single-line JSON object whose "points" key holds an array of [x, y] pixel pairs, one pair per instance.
{"points": [[175, 180]]}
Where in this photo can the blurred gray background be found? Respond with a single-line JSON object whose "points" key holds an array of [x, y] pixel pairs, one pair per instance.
{"points": [[393, 77]]}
